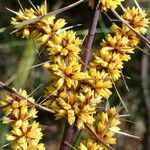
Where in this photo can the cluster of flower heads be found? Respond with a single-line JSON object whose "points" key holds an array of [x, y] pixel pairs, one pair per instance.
{"points": [[64, 95], [68, 95], [74, 94], [115, 50], [105, 127], [41, 30], [25, 132]]}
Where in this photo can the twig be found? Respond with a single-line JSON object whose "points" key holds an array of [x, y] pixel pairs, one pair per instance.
{"points": [[72, 147], [138, 6], [109, 122], [20, 5], [90, 36], [10, 90], [145, 52], [67, 136]]}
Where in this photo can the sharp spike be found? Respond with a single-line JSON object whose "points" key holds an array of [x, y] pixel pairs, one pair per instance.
{"points": [[20, 5], [35, 90], [33, 5], [118, 92]]}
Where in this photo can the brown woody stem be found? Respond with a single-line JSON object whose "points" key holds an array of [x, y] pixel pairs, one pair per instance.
{"points": [[67, 137], [70, 130], [91, 33]]}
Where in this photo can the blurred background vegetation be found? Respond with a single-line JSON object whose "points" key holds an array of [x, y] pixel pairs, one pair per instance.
{"points": [[17, 56]]}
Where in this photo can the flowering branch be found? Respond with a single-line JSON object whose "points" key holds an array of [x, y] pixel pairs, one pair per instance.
{"points": [[56, 12], [98, 138], [10, 90], [70, 129], [76, 89], [129, 26]]}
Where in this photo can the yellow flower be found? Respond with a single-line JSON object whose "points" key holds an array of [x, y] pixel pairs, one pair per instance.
{"points": [[64, 44], [133, 40], [110, 62], [76, 107], [137, 19], [16, 107], [107, 124], [89, 145], [41, 30], [64, 73], [110, 4], [26, 136], [118, 44], [61, 102], [105, 127], [49, 29], [99, 82], [25, 15], [23, 134], [39, 146]]}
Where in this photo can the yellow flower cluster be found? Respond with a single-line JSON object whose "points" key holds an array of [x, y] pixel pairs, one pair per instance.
{"points": [[137, 20], [97, 82], [105, 127], [72, 106], [109, 60], [74, 94], [117, 48], [89, 145], [128, 33], [66, 95], [41, 30], [25, 133], [106, 4]]}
